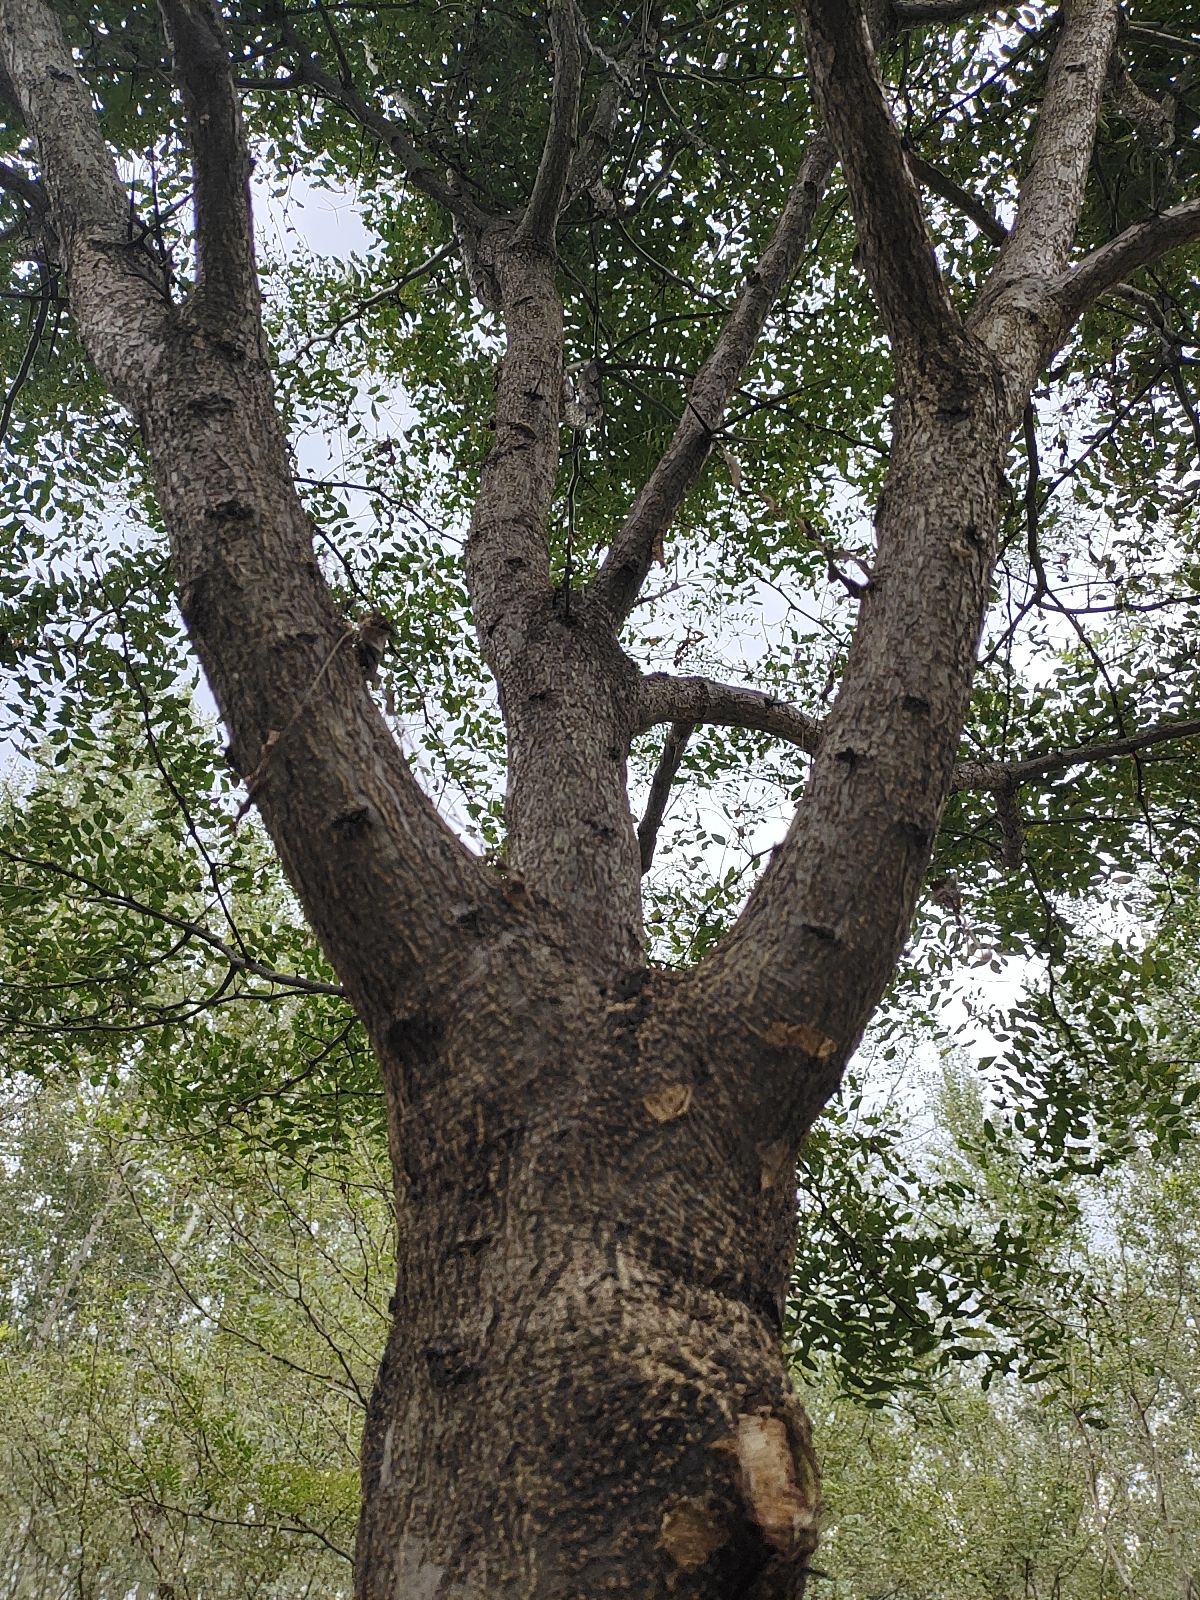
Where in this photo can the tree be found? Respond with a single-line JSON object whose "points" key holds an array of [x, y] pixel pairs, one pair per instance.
{"points": [[583, 1389], [204, 1315], [1081, 1481], [211, 1344]]}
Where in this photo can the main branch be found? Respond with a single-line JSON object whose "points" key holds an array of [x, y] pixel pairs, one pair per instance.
{"points": [[895, 247], [374, 866], [1051, 195], [508, 564], [538, 225], [226, 280]]}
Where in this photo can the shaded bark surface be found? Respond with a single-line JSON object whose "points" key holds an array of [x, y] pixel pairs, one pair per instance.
{"points": [[584, 1391]]}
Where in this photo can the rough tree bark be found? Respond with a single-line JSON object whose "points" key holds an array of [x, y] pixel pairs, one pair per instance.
{"points": [[583, 1393]]}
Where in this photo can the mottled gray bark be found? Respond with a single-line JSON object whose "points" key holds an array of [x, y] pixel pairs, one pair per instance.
{"points": [[583, 1393]]}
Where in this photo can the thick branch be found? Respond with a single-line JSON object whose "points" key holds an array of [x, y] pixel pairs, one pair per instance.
{"points": [[114, 283], [537, 227], [592, 149], [1012, 825], [805, 965], [508, 561], [226, 282], [507, 556], [565, 688], [375, 868], [564, 685], [705, 702], [664, 698], [1138, 246], [895, 247], [1051, 195], [624, 571], [674, 746]]}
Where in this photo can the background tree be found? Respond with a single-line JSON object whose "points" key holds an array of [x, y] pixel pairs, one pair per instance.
{"points": [[593, 1154]]}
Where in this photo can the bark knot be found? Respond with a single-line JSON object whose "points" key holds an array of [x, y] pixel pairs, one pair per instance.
{"points": [[670, 1101], [693, 1530]]}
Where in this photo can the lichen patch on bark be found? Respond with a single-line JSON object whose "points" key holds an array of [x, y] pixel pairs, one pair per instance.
{"points": [[800, 1036], [668, 1102], [778, 1164], [418, 1578]]}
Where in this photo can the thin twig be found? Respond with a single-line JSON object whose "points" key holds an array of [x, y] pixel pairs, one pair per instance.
{"points": [[237, 960]]}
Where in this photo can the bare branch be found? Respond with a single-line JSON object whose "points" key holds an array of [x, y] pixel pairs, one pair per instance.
{"points": [[996, 776], [23, 187], [695, 700], [660, 790], [537, 227], [917, 13], [1137, 246], [390, 291], [41, 310], [1165, 41], [226, 281], [895, 247], [237, 959], [624, 571], [705, 702], [1051, 195], [416, 165], [941, 184]]}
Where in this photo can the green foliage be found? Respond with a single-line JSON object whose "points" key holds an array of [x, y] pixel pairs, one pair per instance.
{"points": [[1078, 1482], [187, 1335]]}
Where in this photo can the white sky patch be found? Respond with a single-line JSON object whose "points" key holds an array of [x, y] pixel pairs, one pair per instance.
{"points": [[325, 223]]}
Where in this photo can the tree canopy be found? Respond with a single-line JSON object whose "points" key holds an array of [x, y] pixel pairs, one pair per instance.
{"points": [[385, 368]]}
